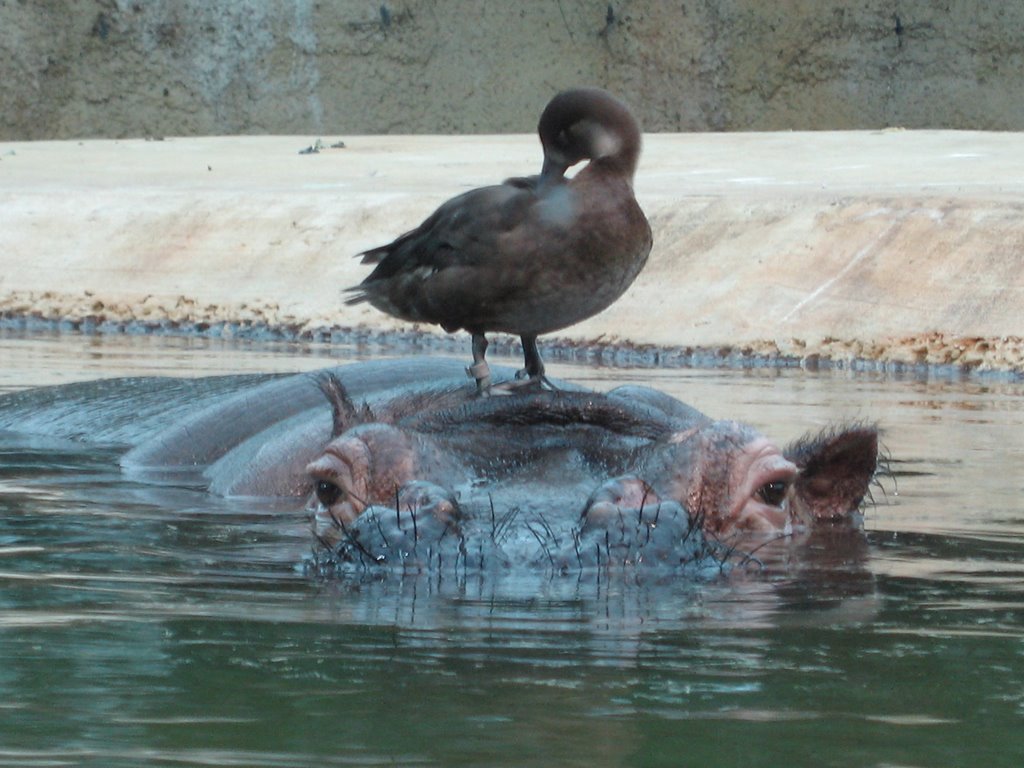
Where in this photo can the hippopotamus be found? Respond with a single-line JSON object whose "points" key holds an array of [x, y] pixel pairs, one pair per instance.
{"points": [[402, 466]]}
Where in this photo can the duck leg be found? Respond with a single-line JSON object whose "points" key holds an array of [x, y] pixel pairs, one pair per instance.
{"points": [[533, 373], [531, 355], [479, 370]]}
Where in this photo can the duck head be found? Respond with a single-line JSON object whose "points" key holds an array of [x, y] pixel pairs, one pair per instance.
{"points": [[588, 124]]}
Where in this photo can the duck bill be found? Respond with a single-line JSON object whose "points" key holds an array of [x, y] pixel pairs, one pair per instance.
{"points": [[552, 170]]}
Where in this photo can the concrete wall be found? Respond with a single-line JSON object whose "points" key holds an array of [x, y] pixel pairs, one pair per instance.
{"points": [[892, 246], [117, 68]]}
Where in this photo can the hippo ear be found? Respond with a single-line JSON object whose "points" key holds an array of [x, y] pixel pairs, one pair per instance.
{"points": [[344, 414], [836, 469]]}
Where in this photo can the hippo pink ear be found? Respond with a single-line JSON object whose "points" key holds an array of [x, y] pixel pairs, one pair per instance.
{"points": [[836, 469]]}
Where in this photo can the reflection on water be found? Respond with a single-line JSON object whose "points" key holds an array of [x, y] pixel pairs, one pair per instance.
{"points": [[160, 626]]}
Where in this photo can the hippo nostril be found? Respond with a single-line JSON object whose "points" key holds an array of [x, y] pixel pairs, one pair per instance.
{"points": [[327, 493], [773, 493]]}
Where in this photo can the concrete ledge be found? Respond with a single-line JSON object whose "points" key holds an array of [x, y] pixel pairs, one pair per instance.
{"points": [[903, 246]]}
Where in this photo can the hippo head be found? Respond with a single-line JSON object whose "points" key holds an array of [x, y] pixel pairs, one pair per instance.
{"points": [[369, 461], [733, 479], [655, 479], [362, 467]]}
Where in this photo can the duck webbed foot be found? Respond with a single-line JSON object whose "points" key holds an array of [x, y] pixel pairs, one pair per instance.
{"points": [[531, 378], [523, 383]]}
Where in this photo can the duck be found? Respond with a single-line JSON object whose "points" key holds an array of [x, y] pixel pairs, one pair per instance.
{"points": [[533, 254]]}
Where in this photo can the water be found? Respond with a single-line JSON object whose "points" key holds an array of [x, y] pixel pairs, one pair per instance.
{"points": [[146, 626]]}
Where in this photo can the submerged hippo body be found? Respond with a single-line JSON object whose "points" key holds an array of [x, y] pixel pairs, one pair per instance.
{"points": [[404, 466]]}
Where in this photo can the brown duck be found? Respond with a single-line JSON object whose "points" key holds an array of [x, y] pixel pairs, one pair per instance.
{"points": [[531, 255]]}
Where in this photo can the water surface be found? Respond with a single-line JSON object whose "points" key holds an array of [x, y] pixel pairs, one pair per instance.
{"points": [[156, 626]]}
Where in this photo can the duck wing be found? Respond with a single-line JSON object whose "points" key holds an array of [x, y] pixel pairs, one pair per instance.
{"points": [[472, 229]]}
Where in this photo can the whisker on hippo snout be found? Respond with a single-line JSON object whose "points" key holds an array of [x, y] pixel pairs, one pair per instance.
{"points": [[643, 503], [465, 555], [695, 523], [335, 520], [324, 543], [398, 511], [380, 530], [505, 523], [714, 546], [622, 523], [548, 530], [352, 538], [444, 531], [647, 539], [543, 543], [749, 556]]}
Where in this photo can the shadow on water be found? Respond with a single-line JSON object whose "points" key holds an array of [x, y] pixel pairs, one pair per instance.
{"points": [[150, 625]]}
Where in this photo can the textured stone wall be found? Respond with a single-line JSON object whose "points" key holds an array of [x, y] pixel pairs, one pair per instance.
{"points": [[116, 68]]}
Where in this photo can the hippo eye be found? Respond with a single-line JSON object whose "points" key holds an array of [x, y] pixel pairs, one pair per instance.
{"points": [[773, 493], [327, 493]]}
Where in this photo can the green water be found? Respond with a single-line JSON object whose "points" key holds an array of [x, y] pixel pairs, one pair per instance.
{"points": [[154, 626]]}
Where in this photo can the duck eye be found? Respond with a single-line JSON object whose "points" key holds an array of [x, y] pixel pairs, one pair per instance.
{"points": [[773, 493], [327, 493]]}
